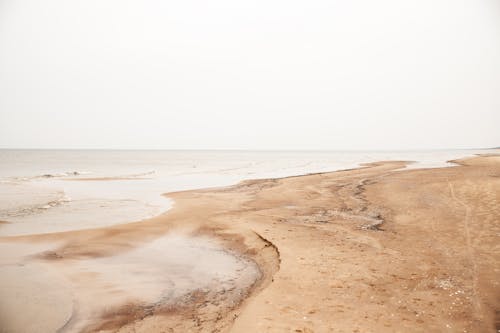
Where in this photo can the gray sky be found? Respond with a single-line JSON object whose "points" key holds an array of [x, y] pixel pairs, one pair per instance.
{"points": [[262, 74]]}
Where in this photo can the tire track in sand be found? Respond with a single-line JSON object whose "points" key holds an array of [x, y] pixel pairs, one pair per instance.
{"points": [[470, 250]]}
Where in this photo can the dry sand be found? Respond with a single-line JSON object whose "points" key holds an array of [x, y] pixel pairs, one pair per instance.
{"points": [[374, 249]]}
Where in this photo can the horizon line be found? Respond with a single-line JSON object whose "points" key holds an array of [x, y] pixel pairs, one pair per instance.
{"points": [[247, 150]]}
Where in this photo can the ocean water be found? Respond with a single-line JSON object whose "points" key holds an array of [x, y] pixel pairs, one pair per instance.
{"points": [[43, 191]]}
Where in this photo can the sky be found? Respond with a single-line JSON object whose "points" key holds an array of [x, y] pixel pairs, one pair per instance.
{"points": [[262, 74]]}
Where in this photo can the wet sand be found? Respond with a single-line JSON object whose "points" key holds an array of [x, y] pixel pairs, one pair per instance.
{"points": [[374, 249]]}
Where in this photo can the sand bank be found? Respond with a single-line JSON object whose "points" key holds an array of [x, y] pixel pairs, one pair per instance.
{"points": [[374, 249]]}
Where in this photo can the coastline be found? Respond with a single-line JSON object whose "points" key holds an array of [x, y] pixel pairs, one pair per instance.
{"points": [[65, 191], [368, 249]]}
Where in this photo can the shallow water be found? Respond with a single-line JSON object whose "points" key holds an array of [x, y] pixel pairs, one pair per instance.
{"points": [[29, 290], [75, 293], [39, 192]]}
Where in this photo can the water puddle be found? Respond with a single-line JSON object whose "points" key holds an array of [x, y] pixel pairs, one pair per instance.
{"points": [[76, 293]]}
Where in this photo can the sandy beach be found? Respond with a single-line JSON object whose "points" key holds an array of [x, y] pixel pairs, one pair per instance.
{"points": [[379, 248]]}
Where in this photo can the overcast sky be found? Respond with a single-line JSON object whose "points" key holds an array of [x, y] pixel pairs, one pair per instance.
{"points": [[261, 74]]}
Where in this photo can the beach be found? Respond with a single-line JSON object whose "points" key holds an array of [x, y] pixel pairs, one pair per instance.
{"points": [[249, 166], [375, 248]]}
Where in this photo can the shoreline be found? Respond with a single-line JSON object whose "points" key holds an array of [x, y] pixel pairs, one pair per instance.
{"points": [[99, 203], [314, 227]]}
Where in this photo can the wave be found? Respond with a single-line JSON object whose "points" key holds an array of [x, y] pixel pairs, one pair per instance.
{"points": [[63, 174], [73, 175], [142, 175], [36, 208], [67, 174], [148, 173]]}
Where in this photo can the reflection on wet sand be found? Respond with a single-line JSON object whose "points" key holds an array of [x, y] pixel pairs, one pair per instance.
{"points": [[72, 295]]}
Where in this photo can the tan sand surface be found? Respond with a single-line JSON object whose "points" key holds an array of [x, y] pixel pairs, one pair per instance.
{"points": [[374, 249]]}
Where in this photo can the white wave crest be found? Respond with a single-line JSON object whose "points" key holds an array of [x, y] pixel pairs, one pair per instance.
{"points": [[26, 210]]}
